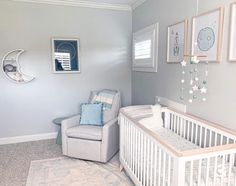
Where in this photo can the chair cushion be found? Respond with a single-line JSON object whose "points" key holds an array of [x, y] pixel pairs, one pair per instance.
{"points": [[91, 114], [88, 132], [112, 113], [105, 97]]}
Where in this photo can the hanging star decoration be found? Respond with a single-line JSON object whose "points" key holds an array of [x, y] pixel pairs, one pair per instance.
{"points": [[203, 90], [197, 84], [183, 63], [195, 88]]}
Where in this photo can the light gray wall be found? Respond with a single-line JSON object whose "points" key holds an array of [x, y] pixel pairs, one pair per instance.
{"points": [[220, 106], [105, 38]]}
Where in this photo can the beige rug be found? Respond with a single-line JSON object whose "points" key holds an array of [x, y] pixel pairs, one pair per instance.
{"points": [[72, 172]]}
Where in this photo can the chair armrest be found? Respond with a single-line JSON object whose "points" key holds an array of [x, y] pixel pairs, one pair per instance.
{"points": [[107, 126], [66, 124], [110, 140], [70, 122]]}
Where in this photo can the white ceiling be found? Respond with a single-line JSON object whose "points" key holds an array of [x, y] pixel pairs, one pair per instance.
{"points": [[126, 5]]}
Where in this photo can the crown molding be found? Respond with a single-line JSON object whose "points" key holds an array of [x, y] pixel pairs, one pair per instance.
{"points": [[82, 3], [137, 3]]}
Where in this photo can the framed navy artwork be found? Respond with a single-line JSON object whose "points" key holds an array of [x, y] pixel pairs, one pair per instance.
{"points": [[65, 55]]}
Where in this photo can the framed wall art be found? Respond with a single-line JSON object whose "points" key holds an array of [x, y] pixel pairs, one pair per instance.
{"points": [[65, 55], [232, 38], [207, 30], [177, 41]]}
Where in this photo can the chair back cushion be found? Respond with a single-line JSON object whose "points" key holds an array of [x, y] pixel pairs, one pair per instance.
{"points": [[111, 100]]}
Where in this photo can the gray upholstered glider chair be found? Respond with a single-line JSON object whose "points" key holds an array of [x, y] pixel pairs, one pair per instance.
{"points": [[96, 143]]}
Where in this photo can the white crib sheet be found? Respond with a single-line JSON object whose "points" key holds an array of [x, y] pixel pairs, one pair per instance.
{"points": [[175, 140]]}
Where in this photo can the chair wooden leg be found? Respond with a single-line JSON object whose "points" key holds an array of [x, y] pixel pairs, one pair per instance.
{"points": [[121, 168]]}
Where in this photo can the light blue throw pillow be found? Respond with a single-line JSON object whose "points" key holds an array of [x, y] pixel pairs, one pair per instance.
{"points": [[91, 114]]}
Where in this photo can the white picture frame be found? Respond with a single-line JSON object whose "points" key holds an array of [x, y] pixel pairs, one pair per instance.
{"points": [[177, 36], [207, 33], [65, 55], [232, 34]]}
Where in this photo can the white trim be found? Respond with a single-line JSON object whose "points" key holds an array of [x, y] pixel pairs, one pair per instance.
{"points": [[171, 104], [81, 3], [137, 3], [35, 137]]}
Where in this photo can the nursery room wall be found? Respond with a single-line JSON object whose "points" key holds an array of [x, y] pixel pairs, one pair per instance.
{"points": [[105, 38], [220, 105]]}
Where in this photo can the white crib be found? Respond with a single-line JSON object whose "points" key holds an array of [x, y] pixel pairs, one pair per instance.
{"points": [[151, 161]]}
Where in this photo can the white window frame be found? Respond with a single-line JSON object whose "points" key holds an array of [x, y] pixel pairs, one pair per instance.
{"points": [[148, 64]]}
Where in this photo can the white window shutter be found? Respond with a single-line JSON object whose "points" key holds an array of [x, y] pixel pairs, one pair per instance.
{"points": [[145, 49]]}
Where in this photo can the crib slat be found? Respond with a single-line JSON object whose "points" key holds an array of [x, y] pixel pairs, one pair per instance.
{"points": [[174, 129], [169, 171], [230, 168], [125, 142], [138, 154], [207, 170], [131, 148], [177, 124], [188, 135], [172, 121], [142, 157], [134, 144], [127, 152], [155, 167], [210, 140], [192, 125], [151, 167], [215, 170], [216, 137], [200, 138], [181, 127], [221, 139], [227, 140], [145, 161], [199, 172], [164, 168], [148, 161], [223, 169], [196, 134], [159, 167], [191, 173], [205, 137], [185, 129]]}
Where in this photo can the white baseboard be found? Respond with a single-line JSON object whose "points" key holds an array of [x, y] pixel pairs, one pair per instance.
{"points": [[35, 137]]}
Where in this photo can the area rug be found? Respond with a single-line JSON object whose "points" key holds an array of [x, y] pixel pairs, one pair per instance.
{"points": [[73, 172]]}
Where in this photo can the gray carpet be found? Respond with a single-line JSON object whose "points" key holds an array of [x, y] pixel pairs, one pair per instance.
{"points": [[15, 159]]}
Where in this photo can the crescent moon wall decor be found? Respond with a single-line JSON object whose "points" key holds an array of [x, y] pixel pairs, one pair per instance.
{"points": [[11, 67]]}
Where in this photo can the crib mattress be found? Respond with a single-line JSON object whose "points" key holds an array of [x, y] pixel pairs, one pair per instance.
{"points": [[180, 143]]}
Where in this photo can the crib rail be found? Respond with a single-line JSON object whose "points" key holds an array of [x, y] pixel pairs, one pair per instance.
{"points": [[200, 132], [213, 169], [150, 161]]}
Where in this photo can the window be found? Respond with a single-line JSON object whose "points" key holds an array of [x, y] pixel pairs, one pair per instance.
{"points": [[145, 49]]}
